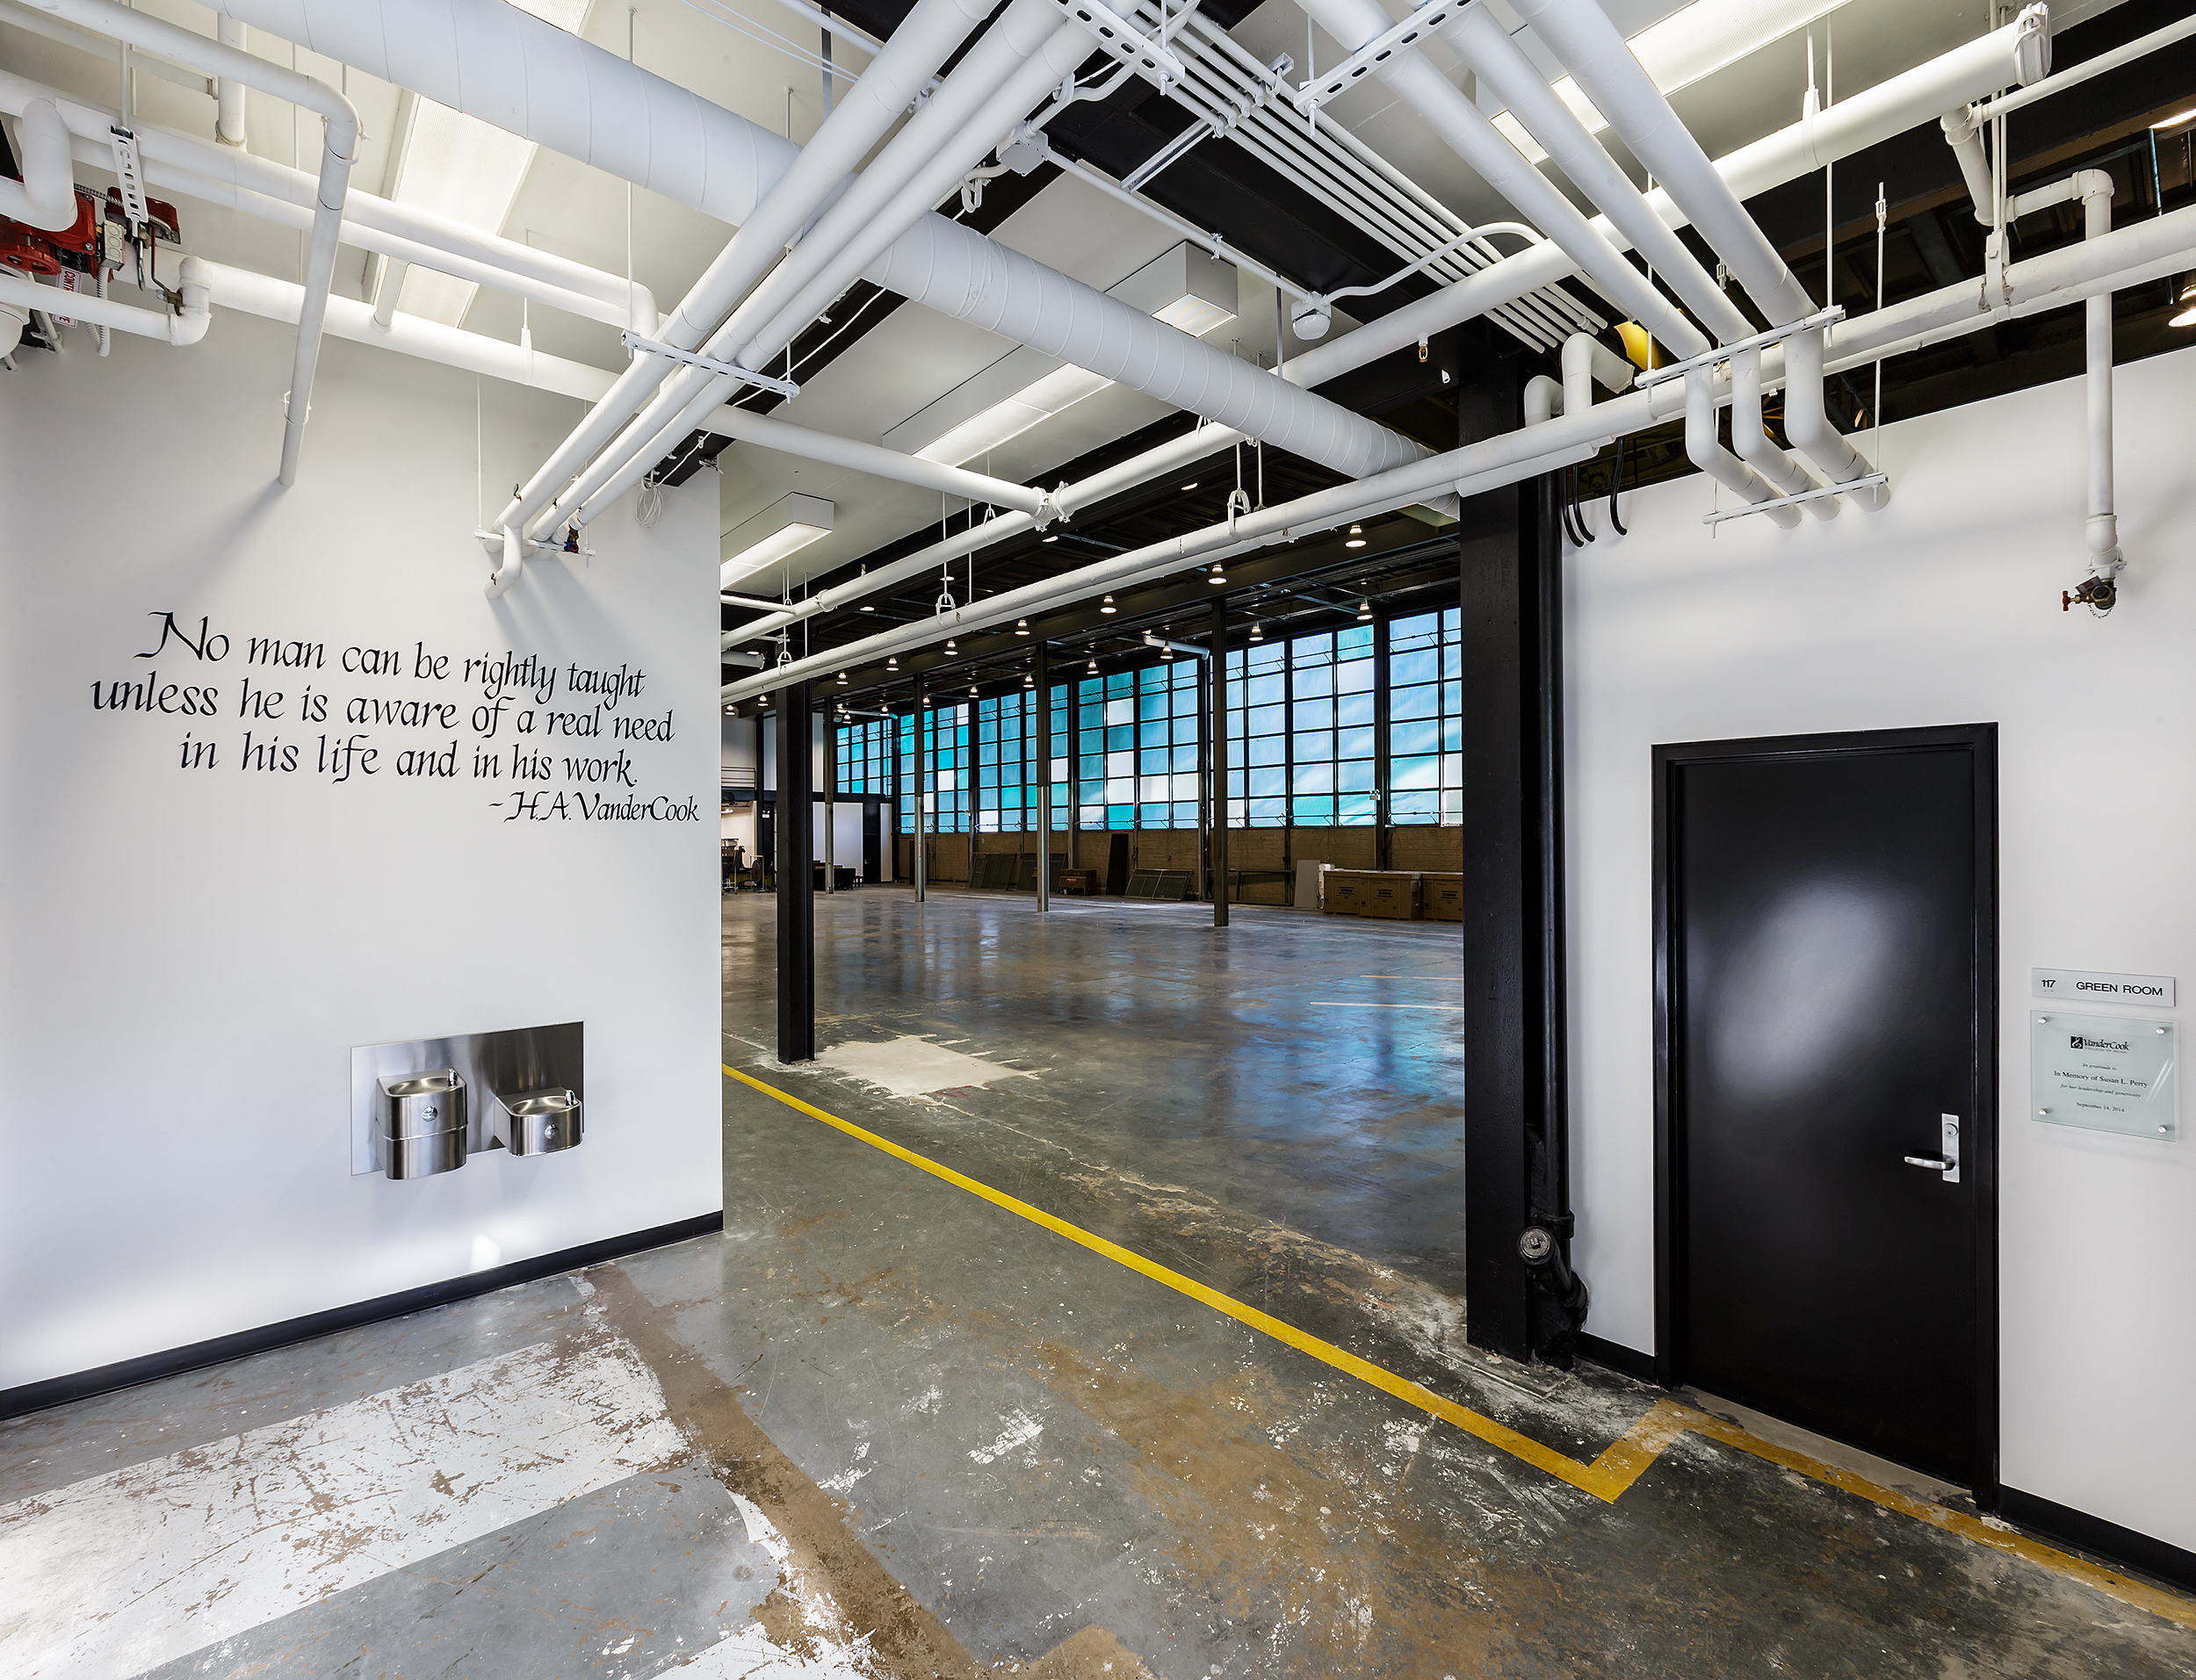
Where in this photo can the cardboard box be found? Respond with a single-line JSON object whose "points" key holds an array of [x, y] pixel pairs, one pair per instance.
{"points": [[1392, 894], [1442, 896]]}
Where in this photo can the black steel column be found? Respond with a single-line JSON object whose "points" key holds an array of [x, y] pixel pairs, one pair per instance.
{"points": [[796, 878], [1218, 730], [1521, 1298], [1044, 675]]}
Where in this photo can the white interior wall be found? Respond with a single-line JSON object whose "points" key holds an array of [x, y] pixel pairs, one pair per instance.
{"points": [[1943, 609], [192, 953]]}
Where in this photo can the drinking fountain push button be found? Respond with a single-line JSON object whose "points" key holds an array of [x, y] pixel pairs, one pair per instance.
{"points": [[540, 1123], [420, 1127]]}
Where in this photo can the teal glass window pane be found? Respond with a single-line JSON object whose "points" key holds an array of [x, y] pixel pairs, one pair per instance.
{"points": [[1268, 814], [1120, 816], [1312, 814], [1186, 815], [1313, 778], [1152, 762], [1414, 807], [1357, 810], [1355, 642], [1183, 758], [1418, 773]]}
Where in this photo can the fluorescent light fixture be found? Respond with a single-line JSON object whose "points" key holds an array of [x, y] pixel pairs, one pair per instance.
{"points": [[1186, 288], [2176, 119], [1691, 44], [459, 166], [2185, 303], [783, 529]]}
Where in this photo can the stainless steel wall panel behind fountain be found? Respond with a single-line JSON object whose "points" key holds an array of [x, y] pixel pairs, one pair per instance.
{"points": [[540, 1071]]}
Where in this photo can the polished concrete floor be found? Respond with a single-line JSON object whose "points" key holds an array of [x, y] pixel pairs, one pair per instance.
{"points": [[889, 1425]]}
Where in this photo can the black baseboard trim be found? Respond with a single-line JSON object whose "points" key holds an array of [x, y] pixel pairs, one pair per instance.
{"points": [[1628, 1360], [2101, 1539], [150, 1367]]}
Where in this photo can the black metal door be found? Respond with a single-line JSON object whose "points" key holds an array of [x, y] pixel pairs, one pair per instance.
{"points": [[1826, 955], [872, 843]]}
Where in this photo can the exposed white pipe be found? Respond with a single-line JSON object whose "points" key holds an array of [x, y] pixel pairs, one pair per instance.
{"points": [[871, 215], [885, 199], [1472, 136], [392, 287], [186, 326], [508, 567], [228, 123], [794, 187], [430, 341], [1750, 437], [274, 191], [340, 146], [1963, 133], [767, 432], [45, 198], [1705, 450], [498, 64], [1891, 107], [1866, 118], [1497, 61], [1807, 422], [2095, 187], [1587, 360], [2130, 255], [1171, 457], [2038, 84]]}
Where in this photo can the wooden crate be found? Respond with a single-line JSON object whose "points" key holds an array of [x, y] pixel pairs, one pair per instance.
{"points": [[1392, 894], [1442, 896]]}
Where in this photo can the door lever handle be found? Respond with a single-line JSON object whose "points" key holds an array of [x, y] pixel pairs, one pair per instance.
{"points": [[1949, 1162]]}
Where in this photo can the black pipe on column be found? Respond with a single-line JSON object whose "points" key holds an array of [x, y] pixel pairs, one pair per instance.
{"points": [[795, 877]]}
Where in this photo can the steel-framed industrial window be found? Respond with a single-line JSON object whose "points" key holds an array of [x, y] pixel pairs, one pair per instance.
{"points": [[1426, 721], [864, 757], [946, 730]]}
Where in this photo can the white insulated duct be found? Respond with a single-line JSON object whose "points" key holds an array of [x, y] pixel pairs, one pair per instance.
{"points": [[45, 198], [339, 147], [2104, 558], [1468, 132], [510, 69]]}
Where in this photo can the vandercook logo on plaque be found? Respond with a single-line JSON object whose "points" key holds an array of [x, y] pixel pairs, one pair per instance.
{"points": [[2103, 1074]]}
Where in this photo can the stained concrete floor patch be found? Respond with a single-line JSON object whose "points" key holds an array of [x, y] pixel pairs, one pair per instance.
{"points": [[914, 1067], [122, 1571]]}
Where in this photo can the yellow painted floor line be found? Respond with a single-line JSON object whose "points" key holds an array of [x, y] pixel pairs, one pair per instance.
{"points": [[1609, 1476]]}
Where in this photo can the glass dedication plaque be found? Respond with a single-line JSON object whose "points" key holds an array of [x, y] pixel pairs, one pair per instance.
{"points": [[2104, 1073]]}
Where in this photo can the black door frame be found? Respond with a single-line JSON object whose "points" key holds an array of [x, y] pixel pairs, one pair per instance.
{"points": [[1979, 1150]]}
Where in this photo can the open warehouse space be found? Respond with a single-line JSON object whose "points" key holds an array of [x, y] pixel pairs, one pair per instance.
{"points": [[1452, 749]]}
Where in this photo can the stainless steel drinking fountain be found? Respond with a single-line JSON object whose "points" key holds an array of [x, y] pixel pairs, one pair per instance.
{"points": [[540, 1122], [429, 1104], [420, 1123]]}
